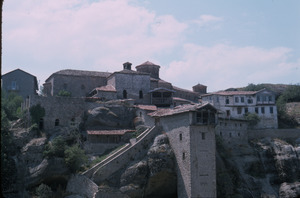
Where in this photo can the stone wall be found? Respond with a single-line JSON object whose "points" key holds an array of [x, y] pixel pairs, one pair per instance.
{"points": [[78, 86], [130, 154], [25, 83], [274, 133], [132, 84], [232, 131]]}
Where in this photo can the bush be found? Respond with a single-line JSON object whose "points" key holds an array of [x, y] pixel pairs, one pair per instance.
{"points": [[10, 104], [36, 112], [252, 118], [64, 93], [75, 158], [43, 191], [56, 148]]}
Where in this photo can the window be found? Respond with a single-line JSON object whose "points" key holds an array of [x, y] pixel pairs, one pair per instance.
{"points": [[229, 134], [264, 98], [258, 98], [239, 110], [203, 136], [228, 112], [180, 136], [82, 86], [156, 94], [56, 122], [262, 110], [65, 85], [250, 100], [239, 134], [270, 98], [242, 99], [124, 94], [256, 110], [141, 94], [236, 99], [13, 85], [218, 99], [271, 110], [227, 100], [221, 134], [246, 110], [183, 156]]}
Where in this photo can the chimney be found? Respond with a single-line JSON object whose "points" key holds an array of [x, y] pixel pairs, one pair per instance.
{"points": [[127, 65]]}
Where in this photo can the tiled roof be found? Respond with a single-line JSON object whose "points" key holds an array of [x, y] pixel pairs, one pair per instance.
{"points": [[161, 88], [147, 63], [181, 99], [231, 93], [185, 90], [127, 71], [109, 132], [178, 109], [72, 72], [108, 88], [147, 107]]}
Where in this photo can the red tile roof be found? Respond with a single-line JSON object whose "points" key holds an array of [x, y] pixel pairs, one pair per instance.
{"points": [[147, 107], [109, 132]]}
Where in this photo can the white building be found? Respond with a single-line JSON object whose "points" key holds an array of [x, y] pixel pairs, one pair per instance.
{"points": [[235, 104]]}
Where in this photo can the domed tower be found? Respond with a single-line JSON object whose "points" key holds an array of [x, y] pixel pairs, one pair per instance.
{"points": [[200, 89], [150, 68]]}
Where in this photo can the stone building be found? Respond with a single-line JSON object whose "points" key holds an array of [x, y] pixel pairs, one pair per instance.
{"points": [[236, 104], [78, 83], [144, 85], [191, 131], [20, 82]]}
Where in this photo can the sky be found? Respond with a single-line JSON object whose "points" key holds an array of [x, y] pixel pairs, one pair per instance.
{"points": [[217, 43]]}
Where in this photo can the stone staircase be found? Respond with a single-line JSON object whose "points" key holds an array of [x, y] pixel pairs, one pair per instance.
{"points": [[122, 157]]}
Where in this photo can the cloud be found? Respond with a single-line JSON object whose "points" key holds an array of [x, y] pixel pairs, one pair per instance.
{"points": [[224, 66], [77, 34], [205, 20]]}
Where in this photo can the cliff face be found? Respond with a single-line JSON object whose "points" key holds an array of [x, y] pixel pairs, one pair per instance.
{"points": [[263, 168]]}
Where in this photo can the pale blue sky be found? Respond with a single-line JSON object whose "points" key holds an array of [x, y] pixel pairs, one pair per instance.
{"points": [[218, 43]]}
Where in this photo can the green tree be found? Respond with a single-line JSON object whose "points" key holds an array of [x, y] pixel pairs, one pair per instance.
{"points": [[75, 158], [56, 148], [64, 93], [252, 119], [36, 112], [43, 191], [11, 104]]}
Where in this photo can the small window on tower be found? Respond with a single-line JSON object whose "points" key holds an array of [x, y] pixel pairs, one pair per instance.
{"points": [[180, 136]]}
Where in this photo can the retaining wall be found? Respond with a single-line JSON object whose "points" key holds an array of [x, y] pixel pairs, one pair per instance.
{"points": [[274, 133]]}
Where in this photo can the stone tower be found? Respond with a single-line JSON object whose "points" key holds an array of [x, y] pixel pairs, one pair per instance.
{"points": [[150, 68], [202, 89]]}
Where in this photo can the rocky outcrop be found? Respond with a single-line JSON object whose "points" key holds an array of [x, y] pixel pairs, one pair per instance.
{"points": [[110, 116], [289, 190], [79, 185], [261, 169]]}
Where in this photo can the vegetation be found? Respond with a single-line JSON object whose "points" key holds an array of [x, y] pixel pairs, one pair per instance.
{"points": [[291, 94], [56, 148], [44, 191], [11, 104], [252, 119], [75, 158], [37, 112], [64, 93]]}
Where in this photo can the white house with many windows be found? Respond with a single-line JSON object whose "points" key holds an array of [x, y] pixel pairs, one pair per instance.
{"points": [[235, 104]]}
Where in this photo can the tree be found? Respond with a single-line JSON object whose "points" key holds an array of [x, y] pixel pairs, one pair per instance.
{"points": [[75, 157], [43, 191], [64, 93], [11, 104], [56, 148], [36, 112]]}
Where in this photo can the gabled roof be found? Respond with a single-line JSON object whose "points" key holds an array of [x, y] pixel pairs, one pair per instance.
{"points": [[107, 88], [72, 72], [232, 93], [180, 109], [147, 63], [35, 79], [147, 107], [161, 88], [109, 132]]}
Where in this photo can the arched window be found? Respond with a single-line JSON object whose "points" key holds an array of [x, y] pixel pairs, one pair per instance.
{"points": [[41, 124], [180, 136], [141, 94], [56, 122], [124, 94]]}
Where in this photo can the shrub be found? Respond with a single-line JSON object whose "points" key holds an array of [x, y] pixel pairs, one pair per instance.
{"points": [[10, 104], [43, 191], [56, 148], [252, 118], [75, 158], [64, 93], [36, 112]]}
